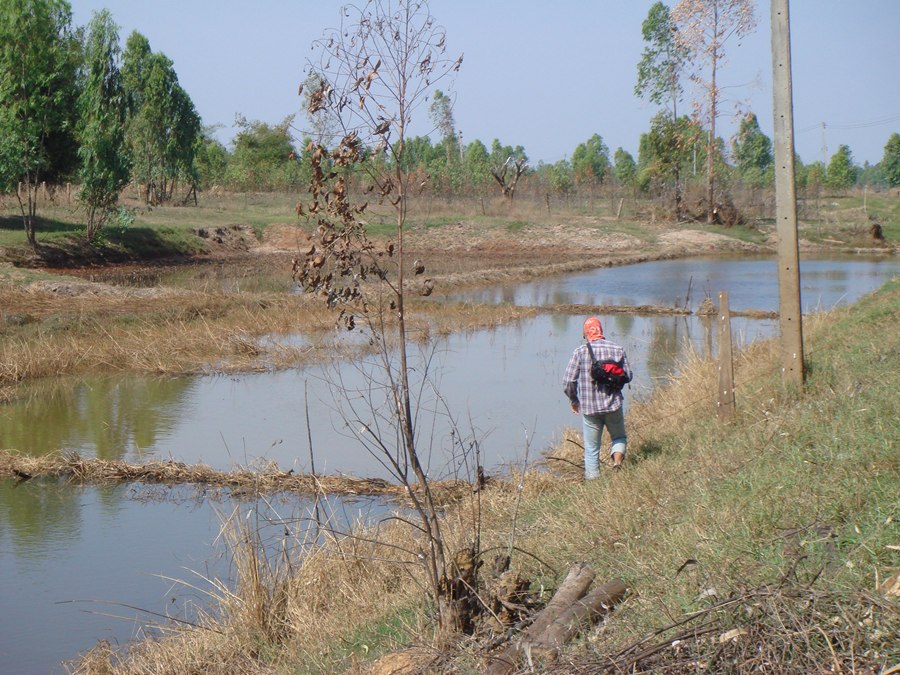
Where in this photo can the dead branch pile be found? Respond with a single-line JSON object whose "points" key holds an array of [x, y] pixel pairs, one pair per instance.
{"points": [[770, 630], [242, 482]]}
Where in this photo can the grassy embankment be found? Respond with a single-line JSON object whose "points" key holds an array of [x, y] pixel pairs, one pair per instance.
{"points": [[169, 230], [757, 546]]}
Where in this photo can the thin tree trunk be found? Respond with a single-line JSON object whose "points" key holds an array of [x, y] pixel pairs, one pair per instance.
{"points": [[710, 147]]}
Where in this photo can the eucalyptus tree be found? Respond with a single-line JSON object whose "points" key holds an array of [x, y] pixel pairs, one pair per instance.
{"points": [[105, 168], [36, 89], [477, 167], [590, 161], [163, 126], [752, 152], [662, 61], [660, 71], [624, 167], [890, 162], [379, 66], [704, 29], [841, 173], [210, 158], [441, 111]]}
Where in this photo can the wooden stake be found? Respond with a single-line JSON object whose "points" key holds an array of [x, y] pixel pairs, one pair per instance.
{"points": [[725, 398]]}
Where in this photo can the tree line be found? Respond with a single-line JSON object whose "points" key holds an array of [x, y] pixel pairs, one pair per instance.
{"points": [[75, 106]]}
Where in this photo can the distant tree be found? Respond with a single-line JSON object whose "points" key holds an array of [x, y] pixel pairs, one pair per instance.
{"points": [[163, 126], [105, 168], [325, 125], [625, 169], [704, 27], [801, 172], [665, 153], [590, 161], [264, 156], [815, 176], [210, 158], [560, 177], [418, 153], [477, 167], [870, 174], [36, 87], [662, 61], [890, 163], [752, 151], [841, 173], [441, 111], [508, 165]]}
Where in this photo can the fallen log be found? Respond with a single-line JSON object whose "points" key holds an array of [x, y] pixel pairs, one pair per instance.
{"points": [[571, 608]]}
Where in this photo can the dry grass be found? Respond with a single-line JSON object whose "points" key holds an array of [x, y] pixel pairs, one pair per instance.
{"points": [[86, 328]]}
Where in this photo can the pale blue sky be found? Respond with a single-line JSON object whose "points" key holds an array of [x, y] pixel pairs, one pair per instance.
{"points": [[539, 74]]}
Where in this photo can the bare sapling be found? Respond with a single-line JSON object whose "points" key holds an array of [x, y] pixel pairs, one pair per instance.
{"points": [[374, 71]]}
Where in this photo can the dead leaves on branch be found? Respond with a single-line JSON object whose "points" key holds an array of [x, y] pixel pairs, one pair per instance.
{"points": [[339, 256]]}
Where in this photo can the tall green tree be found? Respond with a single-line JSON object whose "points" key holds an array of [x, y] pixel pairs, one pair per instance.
{"points": [[752, 151], [590, 161], [624, 167], [704, 29], [163, 126], [36, 86], [662, 61], [841, 173], [890, 163], [210, 158], [477, 167], [105, 168]]}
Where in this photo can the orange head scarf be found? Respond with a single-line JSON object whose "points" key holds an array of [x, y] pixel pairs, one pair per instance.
{"points": [[593, 330]]}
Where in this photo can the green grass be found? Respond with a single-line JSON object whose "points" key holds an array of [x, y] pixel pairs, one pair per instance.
{"points": [[753, 235]]}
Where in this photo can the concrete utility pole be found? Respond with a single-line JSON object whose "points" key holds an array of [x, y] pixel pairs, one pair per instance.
{"points": [[786, 199]]}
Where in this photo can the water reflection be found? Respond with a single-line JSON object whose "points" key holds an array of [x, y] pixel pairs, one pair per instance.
{"points": [[107, 417], [77, 562], [501, 387], [35, 520], [751, 284]]}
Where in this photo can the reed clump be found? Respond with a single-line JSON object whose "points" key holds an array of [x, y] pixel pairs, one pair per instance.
{"points": [[756, 546]]}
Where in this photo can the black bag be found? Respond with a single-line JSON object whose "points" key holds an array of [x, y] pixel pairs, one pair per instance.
{"points": [[607, 373]]}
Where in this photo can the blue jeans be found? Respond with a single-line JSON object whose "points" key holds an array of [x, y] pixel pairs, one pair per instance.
{"points": [[592, 426]]}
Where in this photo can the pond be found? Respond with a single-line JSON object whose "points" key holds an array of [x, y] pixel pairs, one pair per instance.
{"points": [[85, 564]]}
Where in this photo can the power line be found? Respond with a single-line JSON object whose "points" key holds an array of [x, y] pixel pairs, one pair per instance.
{"points": [[852, 125]]}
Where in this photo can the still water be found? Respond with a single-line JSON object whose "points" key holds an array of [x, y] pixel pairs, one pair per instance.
{"points": [[76, 562]]}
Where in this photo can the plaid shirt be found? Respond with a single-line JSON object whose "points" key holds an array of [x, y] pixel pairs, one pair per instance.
{"points": [[579, 386]]}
